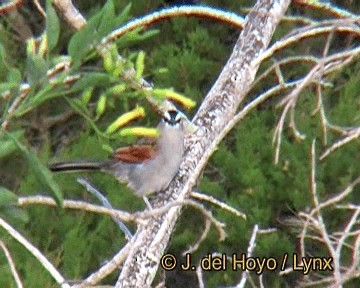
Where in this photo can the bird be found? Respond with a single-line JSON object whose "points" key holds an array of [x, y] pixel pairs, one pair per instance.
{"points": [[145, 168]]}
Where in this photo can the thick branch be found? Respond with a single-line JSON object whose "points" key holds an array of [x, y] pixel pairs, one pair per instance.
{"points": [[217, 110]]}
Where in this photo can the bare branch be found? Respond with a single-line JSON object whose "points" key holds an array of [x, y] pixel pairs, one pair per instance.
{"points": [[12, 265], [70, 13], [353, 134], [250, 250], [80, 205], [39, 8], [216, 202], [177, 11]]}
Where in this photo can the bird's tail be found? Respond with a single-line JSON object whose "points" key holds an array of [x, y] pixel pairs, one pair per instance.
{"points": [[76, 166]]}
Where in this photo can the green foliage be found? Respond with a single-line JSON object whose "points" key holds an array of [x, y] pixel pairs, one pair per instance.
{"points": [[52, 26], [8, 209]]}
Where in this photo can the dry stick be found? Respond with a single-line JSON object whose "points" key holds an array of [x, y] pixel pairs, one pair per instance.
{"points": [[354, 134], [336, 199], [250, 250], [291, 99], [283, 62], [219, 203], [34, 251], [137, 217], [325, 123], [311, 59], [80, 205], [292, 125], [346, 233], [355, 259], [328, 8], [318, 88], [208, 215], [289, 18], [70, 13], [278, 131], [12, 265], [320, 107], [229, 18], [322, 226], [309, 32], [200, 276], [39, 8]]}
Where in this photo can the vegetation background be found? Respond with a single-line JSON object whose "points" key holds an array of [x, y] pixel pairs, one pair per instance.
{"points": [[186, 54]]}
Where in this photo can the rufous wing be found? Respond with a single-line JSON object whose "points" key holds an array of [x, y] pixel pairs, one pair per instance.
{"points": [[135, 153]]}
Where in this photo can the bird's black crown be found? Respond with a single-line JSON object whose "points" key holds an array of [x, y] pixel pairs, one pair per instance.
{"points": [[172, 117]]}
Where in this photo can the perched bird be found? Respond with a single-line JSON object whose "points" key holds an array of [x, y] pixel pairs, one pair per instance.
{"points": [[145, 168]]}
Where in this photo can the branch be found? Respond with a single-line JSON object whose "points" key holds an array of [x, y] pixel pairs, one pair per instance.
{"points": [[216, 111], [229, 18], [80, 205], [12, 265]]}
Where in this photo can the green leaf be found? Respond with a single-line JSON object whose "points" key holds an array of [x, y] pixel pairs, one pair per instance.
{"points": [[3, 62], [91, 79], [148, 34], [107, 18], [14, 75], [79, 106], [82, 41], [41, 172], [15, 213], [134, 36], [36, 69], [123, 16], [7, 198], [52, 26], [7, 146], [7, 86], [81, 109]]}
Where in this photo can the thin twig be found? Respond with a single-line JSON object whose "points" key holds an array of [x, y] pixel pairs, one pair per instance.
{"points": [[70, 13], [353, 134], [39, 8], [12, 265], [196, 11], [250, 250], [81, 205], [219, 203]]}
